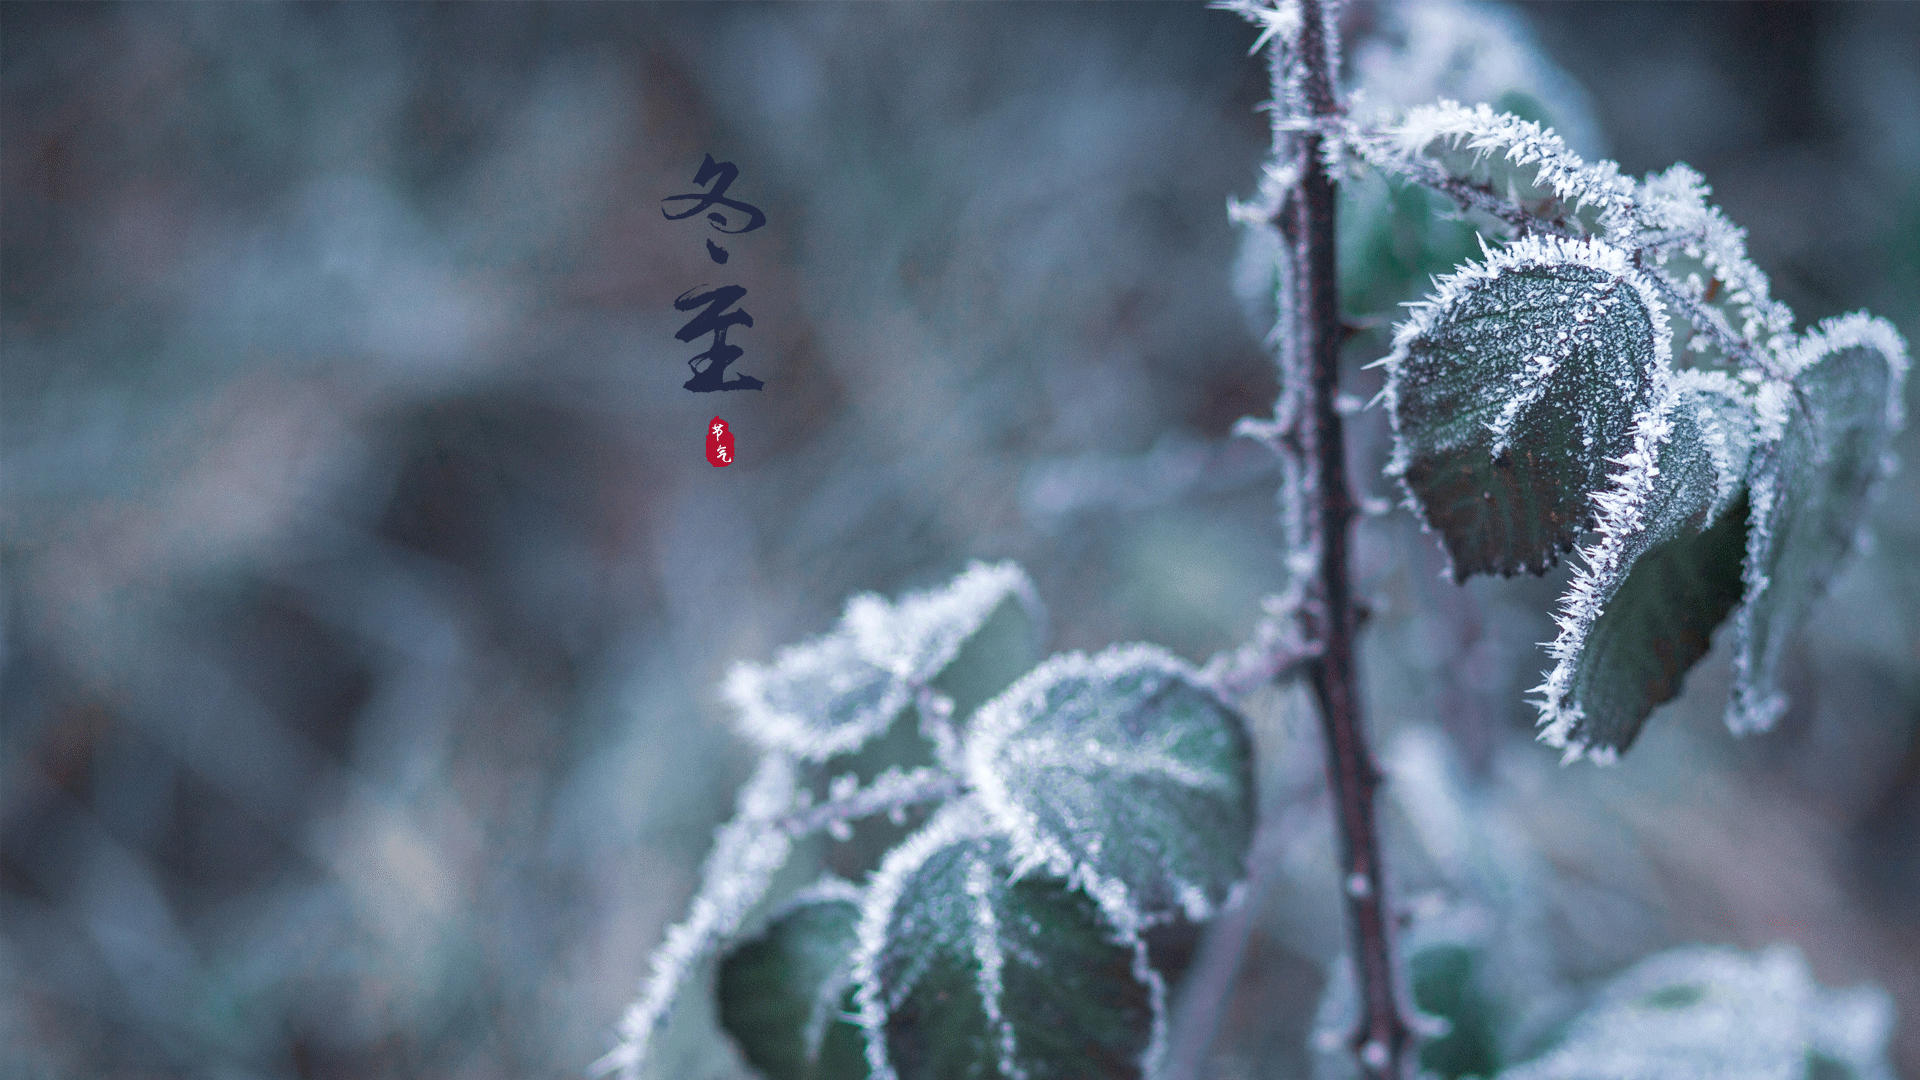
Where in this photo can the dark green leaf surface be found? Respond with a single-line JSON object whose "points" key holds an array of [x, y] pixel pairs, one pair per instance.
{"points": [[786, 996], [1122, 771], [1810, 490], [1642, 609], [968, 973], [1446, 984], [1512, 391]]}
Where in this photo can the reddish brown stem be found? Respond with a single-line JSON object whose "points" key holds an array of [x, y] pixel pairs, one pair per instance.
{"points": [[1383, 1041]]}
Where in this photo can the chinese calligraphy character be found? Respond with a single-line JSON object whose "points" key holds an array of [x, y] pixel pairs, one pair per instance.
{"points": [[715, 320], [722, 174], [710, 367]]}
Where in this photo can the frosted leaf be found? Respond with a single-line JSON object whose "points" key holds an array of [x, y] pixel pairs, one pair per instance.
{"points": [[1641, 608], [832, 694], [1514, 390], [1676, 226], [1810, 489], [965, 970], [1124, 773], [746, 853], [1406, 148], [786, 996], [1711, 1013], [921, 634], [817, 699]]}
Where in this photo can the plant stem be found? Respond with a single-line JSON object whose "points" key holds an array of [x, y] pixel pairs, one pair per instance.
{"points": [[1383, 1041]]}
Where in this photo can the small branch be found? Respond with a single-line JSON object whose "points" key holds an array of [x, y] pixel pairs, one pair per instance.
{"points": [[1383, 1042], [891, 790], [1710, 321]]}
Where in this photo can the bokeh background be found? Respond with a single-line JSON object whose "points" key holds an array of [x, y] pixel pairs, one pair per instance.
{"points": [[364, 587]]}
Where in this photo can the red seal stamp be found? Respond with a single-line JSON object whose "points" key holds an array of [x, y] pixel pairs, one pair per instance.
{"points": [[719, 443]]}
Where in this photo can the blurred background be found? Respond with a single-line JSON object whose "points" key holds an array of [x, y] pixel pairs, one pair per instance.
{"points": [[364, 588]]}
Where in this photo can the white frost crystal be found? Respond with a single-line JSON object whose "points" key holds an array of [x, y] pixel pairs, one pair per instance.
{"points": [[1706, 1013], [830, 695]]}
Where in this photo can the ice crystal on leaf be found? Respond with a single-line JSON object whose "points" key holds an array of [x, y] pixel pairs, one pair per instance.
{"points": [[1124, 773], [1641, 607], [1810, 487], [1513, 391], [1707, 1013], [1534, 398], [746, 853], [832, 694], [967, 968]]}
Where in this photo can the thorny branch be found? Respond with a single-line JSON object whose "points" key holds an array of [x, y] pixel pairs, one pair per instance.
{"points": [[1306, 433]]}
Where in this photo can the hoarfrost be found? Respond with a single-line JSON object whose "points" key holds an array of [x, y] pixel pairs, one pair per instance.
{"points": [[832, 694], [1129, 743], [1512, 389], [1608, 676], [1810, 486], [950, 924], [746, 853], [1712, 1013]]}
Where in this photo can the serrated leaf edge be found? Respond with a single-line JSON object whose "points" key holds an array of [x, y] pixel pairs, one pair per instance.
{"points": [[1750, 707], [1526, 253], [890, 636], [747, 851], [1622, 512], [1006, 715]]}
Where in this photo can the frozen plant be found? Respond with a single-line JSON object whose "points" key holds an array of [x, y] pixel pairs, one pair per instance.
{"points": [[1610, 378]]}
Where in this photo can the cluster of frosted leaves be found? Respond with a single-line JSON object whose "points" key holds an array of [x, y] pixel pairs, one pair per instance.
{"points": [[1534, 401], [830, 695], [1512, 390], [1107, 794], [1524, 175], [966, 967], [1124, 773], [1707, 1013], [1751, 501]]}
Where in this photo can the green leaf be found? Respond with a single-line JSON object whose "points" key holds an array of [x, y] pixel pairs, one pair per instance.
{"points": [[786, 996], [1446, 984], [1394, 235], [1513, 389], [965, 970], [1641, 608], [1006, 646], [1123, 773], [1810, 490], [830, 695], [1710, 1013]]}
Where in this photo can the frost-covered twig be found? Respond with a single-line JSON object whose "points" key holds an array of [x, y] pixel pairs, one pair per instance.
{"points": [[1317, 505], [893, 790]]}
